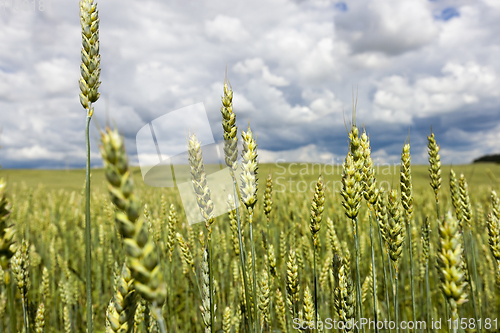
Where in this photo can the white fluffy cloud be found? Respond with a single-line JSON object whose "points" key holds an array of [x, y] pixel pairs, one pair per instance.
{"points": [[398, 100], [226, 29], [294, 67]]}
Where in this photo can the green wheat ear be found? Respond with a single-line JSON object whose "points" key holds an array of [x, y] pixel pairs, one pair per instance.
{"points": [[141, 252], [229, 126], [317, 208], [268, 200], [91, 60], [249, 167], [351, 188], [435, 164], [406, 185], [450, 258], [121, 309], [344, 293], [395, 230], [494, 237], [199, 180], [40, 318]]}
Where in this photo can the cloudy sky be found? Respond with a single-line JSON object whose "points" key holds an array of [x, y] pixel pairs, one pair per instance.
{"points": [[293, 66]]}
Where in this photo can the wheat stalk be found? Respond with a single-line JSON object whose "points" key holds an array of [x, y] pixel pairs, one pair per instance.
{"points": [[89, 84], [264, 300], [317, 208], [20, 269], [309, 308], [40, 318], [121, 309], [382, 221], [466, 216], [292, 283], [231, 153], [248, 190], [352, 193], [142, 256], [344, 293], [367, 286], [455, 196], [226, 320], [495, 205], [208, 306], [494, 240], [233, 225], [171, 223], [407, 203], [281, 311], [426, 238], [200, 185], [395, 237], [229, 127], [435, 168], [370, 192], [449, 260], [206, 207], [268, 207]]}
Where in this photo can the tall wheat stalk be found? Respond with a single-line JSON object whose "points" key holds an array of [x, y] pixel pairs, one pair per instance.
{"points": [[20, 265], [370, 193], [382, 220], [435, 168], [271, 262], [351, 192], [317, 208], [89, 84], [140, 249], [407, 203], [248, 192], [344, 291], [231, 154], [466, 214], [395, 240], [426, 230], [450, 268], [206, 206]]}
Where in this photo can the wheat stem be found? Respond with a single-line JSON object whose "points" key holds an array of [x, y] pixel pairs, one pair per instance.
{"points": [[250, 217], [211, 289], [88, 233], [407, 203], [396, 302], [317, 208], [358, 274], [375, 314], [242, 261], [426, 229]]}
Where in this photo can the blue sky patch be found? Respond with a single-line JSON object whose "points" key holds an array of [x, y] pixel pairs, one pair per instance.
{"points": [[341, 6], [449, 13]]}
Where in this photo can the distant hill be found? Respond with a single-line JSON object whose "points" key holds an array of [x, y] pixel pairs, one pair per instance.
{"points": [[488, 158]]}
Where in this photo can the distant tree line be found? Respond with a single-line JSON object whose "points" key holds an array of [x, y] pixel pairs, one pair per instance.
{"points": [[488, 158]]}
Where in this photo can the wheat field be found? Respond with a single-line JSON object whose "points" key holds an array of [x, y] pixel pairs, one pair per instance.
{"points": [[50, 218]]}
